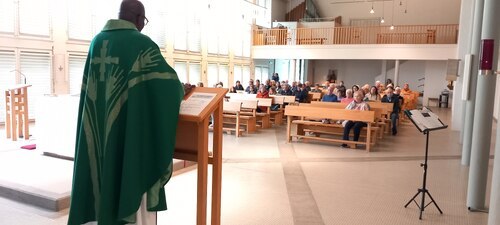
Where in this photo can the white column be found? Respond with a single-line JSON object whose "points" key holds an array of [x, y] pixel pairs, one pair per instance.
{"points": [[396, 73]]}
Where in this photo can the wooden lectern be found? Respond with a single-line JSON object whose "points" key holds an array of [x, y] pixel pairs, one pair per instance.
{"points": [[192, 144], [16, 107]]}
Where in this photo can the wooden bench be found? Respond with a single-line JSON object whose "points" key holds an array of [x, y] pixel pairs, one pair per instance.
{"points": [[380, 112], [313, 96], [277, 116], [246, 116], [264, 117], [333, 114], [232, 111]]}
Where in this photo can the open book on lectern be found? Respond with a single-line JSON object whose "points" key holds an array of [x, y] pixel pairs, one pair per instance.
{"points": [[425, 120]]}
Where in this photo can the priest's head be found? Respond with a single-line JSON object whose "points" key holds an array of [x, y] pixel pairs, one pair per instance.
{"points": [[134, 12]]}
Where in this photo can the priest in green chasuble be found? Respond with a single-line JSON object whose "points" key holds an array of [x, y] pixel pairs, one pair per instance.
{"points": [[128, 113]]}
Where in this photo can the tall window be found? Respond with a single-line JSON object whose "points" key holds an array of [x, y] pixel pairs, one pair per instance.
{"points": [[181, 69], [246, 75], [76, 69], [194, 73], [212, 74], [258, 73], [85, 20], [218, 24], [37, 69], [238, 73], [187, 35], [7, 16], [224, 75], [157, 15], [7, 77], [34, 18]]}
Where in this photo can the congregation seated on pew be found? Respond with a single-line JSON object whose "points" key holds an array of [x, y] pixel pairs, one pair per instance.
{"points": [[356, 104]]}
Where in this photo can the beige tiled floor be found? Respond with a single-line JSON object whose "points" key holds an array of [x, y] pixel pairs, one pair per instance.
{"points": [[268, 181]]}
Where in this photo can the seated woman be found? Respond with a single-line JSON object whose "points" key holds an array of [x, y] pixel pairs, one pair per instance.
{"points": [[232, 89], [357, 104], [373, 95], [262, 93], [348, 98], [272, 91]]}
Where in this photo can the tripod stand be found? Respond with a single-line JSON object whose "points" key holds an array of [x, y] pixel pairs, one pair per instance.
{"points": [[424, 190]]}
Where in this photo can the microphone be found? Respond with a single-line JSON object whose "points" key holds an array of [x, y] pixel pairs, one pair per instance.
{"points": [[20, 73]]}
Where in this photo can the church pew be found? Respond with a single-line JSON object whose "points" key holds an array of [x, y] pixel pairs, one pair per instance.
{"points": [[232, 112], [332, 114]]}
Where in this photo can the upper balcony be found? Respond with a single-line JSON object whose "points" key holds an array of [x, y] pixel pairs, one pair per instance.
{"points": [[425, 42]]}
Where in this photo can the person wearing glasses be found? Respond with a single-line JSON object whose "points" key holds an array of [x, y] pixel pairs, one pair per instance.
{"points": [[127, 120]]}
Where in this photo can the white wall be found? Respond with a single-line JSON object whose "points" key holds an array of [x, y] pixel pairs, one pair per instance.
{"points": [[363, 52], [328, 24], [435, 82], [278, 10], [419, 11], [350, 71]]}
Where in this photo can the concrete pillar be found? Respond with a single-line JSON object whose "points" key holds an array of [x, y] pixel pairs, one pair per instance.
{"points": [[396, 73], [384, 71], [470, 103], [483, 114], [494, 213]]}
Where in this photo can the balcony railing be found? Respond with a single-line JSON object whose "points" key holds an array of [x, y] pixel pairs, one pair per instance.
{"points": [[411, 34]]}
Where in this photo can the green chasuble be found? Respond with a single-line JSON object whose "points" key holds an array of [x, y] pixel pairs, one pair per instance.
{"points": [[127, 119]]}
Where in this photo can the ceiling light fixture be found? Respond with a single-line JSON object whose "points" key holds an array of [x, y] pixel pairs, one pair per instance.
{"points": [[372, 11], [392, 22], [383, 13]]}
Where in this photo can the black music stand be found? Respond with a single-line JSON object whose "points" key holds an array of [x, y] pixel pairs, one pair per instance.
{"points": [[425, 121]]}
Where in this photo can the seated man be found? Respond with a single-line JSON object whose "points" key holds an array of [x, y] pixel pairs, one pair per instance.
{"points": [[392, 98], [357, 104], [301, 93], [316, 89], [238, 86], [330, 96], [251, 89], [285, 90]]}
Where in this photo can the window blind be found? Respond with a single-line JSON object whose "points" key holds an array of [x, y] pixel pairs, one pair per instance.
{"points": [[258, 73], [194, 29], [212, 74], [76, 69], [238, 74], [7, 77], [34, 17], [181, 70], [194, 73], [224, 75], [7, 16], [80, 20], [246, 75], [37, 69], [265, 74]]}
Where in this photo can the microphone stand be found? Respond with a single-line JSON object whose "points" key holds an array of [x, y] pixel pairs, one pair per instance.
{"points": [[20, 73]]}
